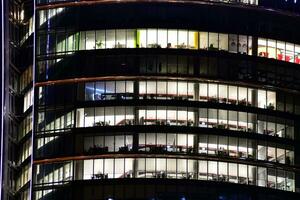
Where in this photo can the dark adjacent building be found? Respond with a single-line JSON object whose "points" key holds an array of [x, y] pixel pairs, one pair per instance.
{"points": [[156, 100], [16, 86]]}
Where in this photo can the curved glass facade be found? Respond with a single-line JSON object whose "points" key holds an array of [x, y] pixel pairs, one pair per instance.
{"points": [[139, 104]]}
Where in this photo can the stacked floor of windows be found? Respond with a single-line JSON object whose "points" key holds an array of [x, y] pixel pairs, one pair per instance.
{"points": [[171, 168], [51, 121], [196, 91], [230, 147], [181, 90], [63, 43]]}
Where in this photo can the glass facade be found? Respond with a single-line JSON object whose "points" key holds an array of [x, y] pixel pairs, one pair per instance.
{"points": [[122, 103]]}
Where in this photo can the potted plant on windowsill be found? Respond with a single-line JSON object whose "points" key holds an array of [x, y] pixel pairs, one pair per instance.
{"points": [[99, 44]]}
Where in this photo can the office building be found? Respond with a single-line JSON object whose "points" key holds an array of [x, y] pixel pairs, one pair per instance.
{"points": [[158, 100]]}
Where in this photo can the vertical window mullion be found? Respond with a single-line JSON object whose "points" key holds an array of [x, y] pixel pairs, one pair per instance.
{"points": [[187, 45], [208, 40], [218, 41], [114, 168], [156, 86], [156, 38], [177, 32], [146, 37], [176, 161], [247, 41], [105, 40], [247, 174], [186, 167], [126, 30], [177, 123], [284, 59], [93, 172], [207, 169], [156, 119], [94, 109], [176, 72], [294, 53], [199, 45], [238, 172], [276, 50], [227, 119]]}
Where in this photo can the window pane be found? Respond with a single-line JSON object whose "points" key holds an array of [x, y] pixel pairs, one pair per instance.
{"points": [[193, 40], [242, 45], [172, 39], [100, 39], [90, 40], [110, 39], [223, 42], [182, 39], [213, 41], [121, 38], [163, 38], [152, 38], [272, 48], [203, 40], [233, 43], [131, 38], [262, 47], [142, 38]]}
